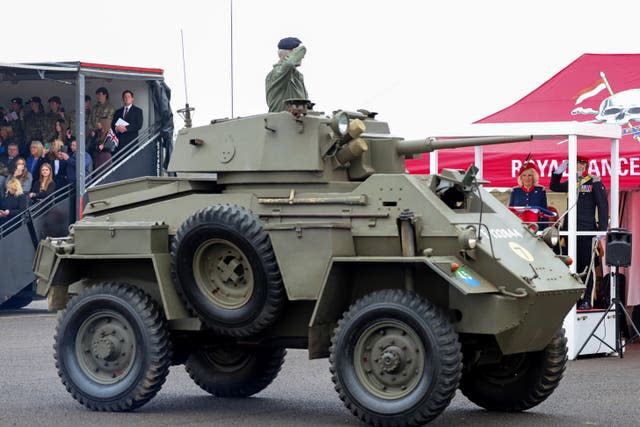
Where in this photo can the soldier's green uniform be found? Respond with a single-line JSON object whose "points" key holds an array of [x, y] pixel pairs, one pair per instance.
{"points": [[17, 127], [285, 81], [100, 112], [35, 127], [51, 119]]}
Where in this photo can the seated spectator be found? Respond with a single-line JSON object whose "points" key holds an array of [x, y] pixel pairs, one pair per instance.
{"points": [[8, 159], [21, 173], [72, 159], [5, 138], [44, 185], [35, 158], [13, 201], [56, 158]]}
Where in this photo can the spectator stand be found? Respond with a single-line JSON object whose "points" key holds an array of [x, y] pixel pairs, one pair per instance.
{"points": [[144, 156]]}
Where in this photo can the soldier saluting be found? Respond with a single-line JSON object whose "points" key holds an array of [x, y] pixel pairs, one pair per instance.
{"points": [[284, 81], [592, 197]]}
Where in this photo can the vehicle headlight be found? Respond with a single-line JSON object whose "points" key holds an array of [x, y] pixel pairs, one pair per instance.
{"points": [[551, 236], [340, 123], [468, 238]]}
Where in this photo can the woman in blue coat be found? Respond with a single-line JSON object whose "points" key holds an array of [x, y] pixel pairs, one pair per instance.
{"points": [[528, 197]]}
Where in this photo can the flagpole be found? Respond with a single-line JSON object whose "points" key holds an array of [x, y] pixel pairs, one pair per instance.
{"points": [[606, 82]]}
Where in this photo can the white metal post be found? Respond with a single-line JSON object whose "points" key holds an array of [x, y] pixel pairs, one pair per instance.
{"points": [[572, 217], [571, 240], [478, 161], [433, 162], [615, 185]]}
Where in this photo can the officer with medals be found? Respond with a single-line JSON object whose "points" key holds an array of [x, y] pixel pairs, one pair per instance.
{"points": [[592, 198]]}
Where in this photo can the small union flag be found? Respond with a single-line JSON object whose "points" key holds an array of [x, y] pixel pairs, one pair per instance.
{"points": [[112, 136]]}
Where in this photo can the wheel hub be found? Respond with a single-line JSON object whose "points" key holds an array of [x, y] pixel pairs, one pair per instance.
{"points": [[223, 273], [105, 347], [389, 359]]}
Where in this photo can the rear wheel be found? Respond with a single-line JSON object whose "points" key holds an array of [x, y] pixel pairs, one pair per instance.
{"points": [[111, 348], [519, 381], [395, 359], [232, 371]]}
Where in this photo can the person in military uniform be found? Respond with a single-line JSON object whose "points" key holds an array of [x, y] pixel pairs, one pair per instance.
{"points": [[35, 124], [284, 81], [15, 118], [592, 197], [529, 194], [56, 112], [101, 112]]}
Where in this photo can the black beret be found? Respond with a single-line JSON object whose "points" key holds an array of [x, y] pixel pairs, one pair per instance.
{"points": [[289, 43], [17, 100], [35, 99], [55, 99]]}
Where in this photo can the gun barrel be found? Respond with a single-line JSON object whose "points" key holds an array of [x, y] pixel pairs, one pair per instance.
{"points": [[428, 145]]}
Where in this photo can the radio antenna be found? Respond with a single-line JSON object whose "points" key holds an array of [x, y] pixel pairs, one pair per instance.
{"points": [[185, 112], [231, 50]]}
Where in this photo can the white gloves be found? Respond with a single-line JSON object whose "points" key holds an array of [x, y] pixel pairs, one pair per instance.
{"points": [[560, 169]]}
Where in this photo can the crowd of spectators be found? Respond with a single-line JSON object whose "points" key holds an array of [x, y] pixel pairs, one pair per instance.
{"points": [[38, 148], [31, 138]]}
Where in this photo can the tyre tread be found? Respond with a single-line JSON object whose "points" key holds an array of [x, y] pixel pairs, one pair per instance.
{"points": [[244, 222], [159, 341], [448, 351]]}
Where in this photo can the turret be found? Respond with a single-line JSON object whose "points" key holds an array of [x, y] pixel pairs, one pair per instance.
{"points": [[313, 148]]}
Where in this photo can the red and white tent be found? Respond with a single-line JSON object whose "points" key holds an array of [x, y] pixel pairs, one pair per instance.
{"points": [[599, 88], [578, 92]]}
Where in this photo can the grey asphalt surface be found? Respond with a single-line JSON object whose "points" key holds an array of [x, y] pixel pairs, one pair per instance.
{"points": [[602, 391]]}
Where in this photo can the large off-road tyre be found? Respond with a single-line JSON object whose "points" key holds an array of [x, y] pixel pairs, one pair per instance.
{"points": [[111, 348], [519, 381], [395, 359], [232, 371], [226, 271]]}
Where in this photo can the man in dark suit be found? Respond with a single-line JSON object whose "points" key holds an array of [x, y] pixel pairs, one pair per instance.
{"points": [[130, 114]]}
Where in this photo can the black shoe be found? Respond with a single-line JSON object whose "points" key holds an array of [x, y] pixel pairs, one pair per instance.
{"points": [[584, 305]]}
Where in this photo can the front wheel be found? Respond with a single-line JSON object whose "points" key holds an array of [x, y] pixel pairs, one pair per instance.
{"points": [[518, 381], [111, 348], [395, 359]]}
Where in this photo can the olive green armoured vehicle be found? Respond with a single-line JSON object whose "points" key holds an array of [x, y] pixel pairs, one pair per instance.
{"points": [[309, 235]]}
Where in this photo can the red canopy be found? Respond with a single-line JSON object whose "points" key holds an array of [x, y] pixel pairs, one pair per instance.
{"points": [[583, 92]]}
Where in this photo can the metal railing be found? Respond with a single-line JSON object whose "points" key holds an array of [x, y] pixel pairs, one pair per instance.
{"points": [[51, 217]]}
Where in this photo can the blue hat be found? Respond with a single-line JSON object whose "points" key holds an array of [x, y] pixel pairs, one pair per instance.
{"points": [[16, 100], [289, 43]]}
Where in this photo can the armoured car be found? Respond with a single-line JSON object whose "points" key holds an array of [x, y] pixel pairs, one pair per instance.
{"points": [[304, 231]]}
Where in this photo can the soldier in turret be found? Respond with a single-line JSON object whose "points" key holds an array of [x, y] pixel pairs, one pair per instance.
{"points": [[101, 112], [284, 81], [592, 197]]}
